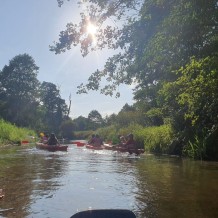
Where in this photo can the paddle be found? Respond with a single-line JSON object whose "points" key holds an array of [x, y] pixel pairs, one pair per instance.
{"points": [[105, 213]]}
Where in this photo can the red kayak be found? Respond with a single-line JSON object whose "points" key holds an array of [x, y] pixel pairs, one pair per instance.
{"points": [[123, 149], [51, 147], [109, 147], [130, 150], [94, 147], [78, 143]]}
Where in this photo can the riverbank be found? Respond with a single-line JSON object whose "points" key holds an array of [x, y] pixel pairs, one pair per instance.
{"points": [[11, 134]]}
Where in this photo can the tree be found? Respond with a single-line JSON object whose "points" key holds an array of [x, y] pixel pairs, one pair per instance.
{"points": [[95, 119], [19, 90], [81, 123], [110, 120], [54, 107], [157, 37], [66, 129], [127, 108], [153, 39], [196, 92], [192, 102]]}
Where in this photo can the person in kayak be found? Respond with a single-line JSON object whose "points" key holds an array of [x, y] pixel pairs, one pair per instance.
{"points": [[45, 138], [52, 140], [122, 140], [98, 141], [130, 143], [92, 140]]}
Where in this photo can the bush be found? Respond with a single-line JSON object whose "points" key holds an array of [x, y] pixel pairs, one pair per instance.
{"points": [[153, 139], [12, 134], [83, 134]]}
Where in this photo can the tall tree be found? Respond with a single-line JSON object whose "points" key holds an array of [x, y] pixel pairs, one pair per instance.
{"points": [[156, 38], [95, 119], [66, 129], [19, 90], [53, 105], [81, 123]]}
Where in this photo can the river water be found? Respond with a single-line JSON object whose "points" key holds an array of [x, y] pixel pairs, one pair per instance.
{"points": [[38, 183]]}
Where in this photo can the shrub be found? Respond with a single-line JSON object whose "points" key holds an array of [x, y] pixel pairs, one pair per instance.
{"points": [[12, 134]]}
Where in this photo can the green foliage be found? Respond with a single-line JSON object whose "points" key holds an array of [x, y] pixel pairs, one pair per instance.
{"points": [[86, 135], [156, 139], [153, 139], [19, 90], [11, 134], [192, 100], [54, 107], [169, 48], [125, 118], [110, 133], [196, 149], [66, 129], [95, 119], [156, 38], [199, 91], [81, 123], [154, 117], [27, 103]]}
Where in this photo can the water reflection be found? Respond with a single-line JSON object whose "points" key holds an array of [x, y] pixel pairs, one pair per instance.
{"points": [[43, 184], [26, 177], [177, 188]]}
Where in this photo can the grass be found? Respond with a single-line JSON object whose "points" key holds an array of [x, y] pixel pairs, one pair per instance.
{"points": [[10, 134]]}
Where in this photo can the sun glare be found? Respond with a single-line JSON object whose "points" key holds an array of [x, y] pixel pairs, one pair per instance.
{"points": [[91, 29]]}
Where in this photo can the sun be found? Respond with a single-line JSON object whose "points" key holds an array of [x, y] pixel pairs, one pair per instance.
{"points": [[91, 29]]}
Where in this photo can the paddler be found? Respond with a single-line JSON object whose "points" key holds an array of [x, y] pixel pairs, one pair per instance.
{"points": [[92, 140], [98, 141], [130, 143], [53, 140]]}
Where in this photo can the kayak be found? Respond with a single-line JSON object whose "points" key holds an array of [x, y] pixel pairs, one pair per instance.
{"points": [[94, 147], [123, 149], [78, 143], [109, 147], [51, 147], [130, 150]]}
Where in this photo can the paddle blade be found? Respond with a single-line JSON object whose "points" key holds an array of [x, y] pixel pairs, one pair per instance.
{"points": [[107, 213]]}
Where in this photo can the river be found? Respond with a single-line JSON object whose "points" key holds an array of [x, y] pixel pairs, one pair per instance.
{"points": [[38, 183]]}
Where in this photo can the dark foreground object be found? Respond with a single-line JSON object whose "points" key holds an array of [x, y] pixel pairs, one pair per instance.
{"points": [[113, 213]]}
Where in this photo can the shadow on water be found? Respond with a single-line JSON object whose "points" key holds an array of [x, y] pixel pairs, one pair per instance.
{"points": [[42, 184]]}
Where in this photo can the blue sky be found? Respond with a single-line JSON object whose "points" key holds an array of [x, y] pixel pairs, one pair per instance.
{"points": [[30, 26]]}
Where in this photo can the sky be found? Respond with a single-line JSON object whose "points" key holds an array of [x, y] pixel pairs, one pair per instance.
{"points": [[30, 26]]}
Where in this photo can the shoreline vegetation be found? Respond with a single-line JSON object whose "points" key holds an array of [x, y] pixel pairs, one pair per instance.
{"points": [[166, 50], [12, 135], [161, 140]]}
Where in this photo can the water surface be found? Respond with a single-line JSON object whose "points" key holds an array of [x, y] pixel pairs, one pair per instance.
{"points": [[39, 183]]}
